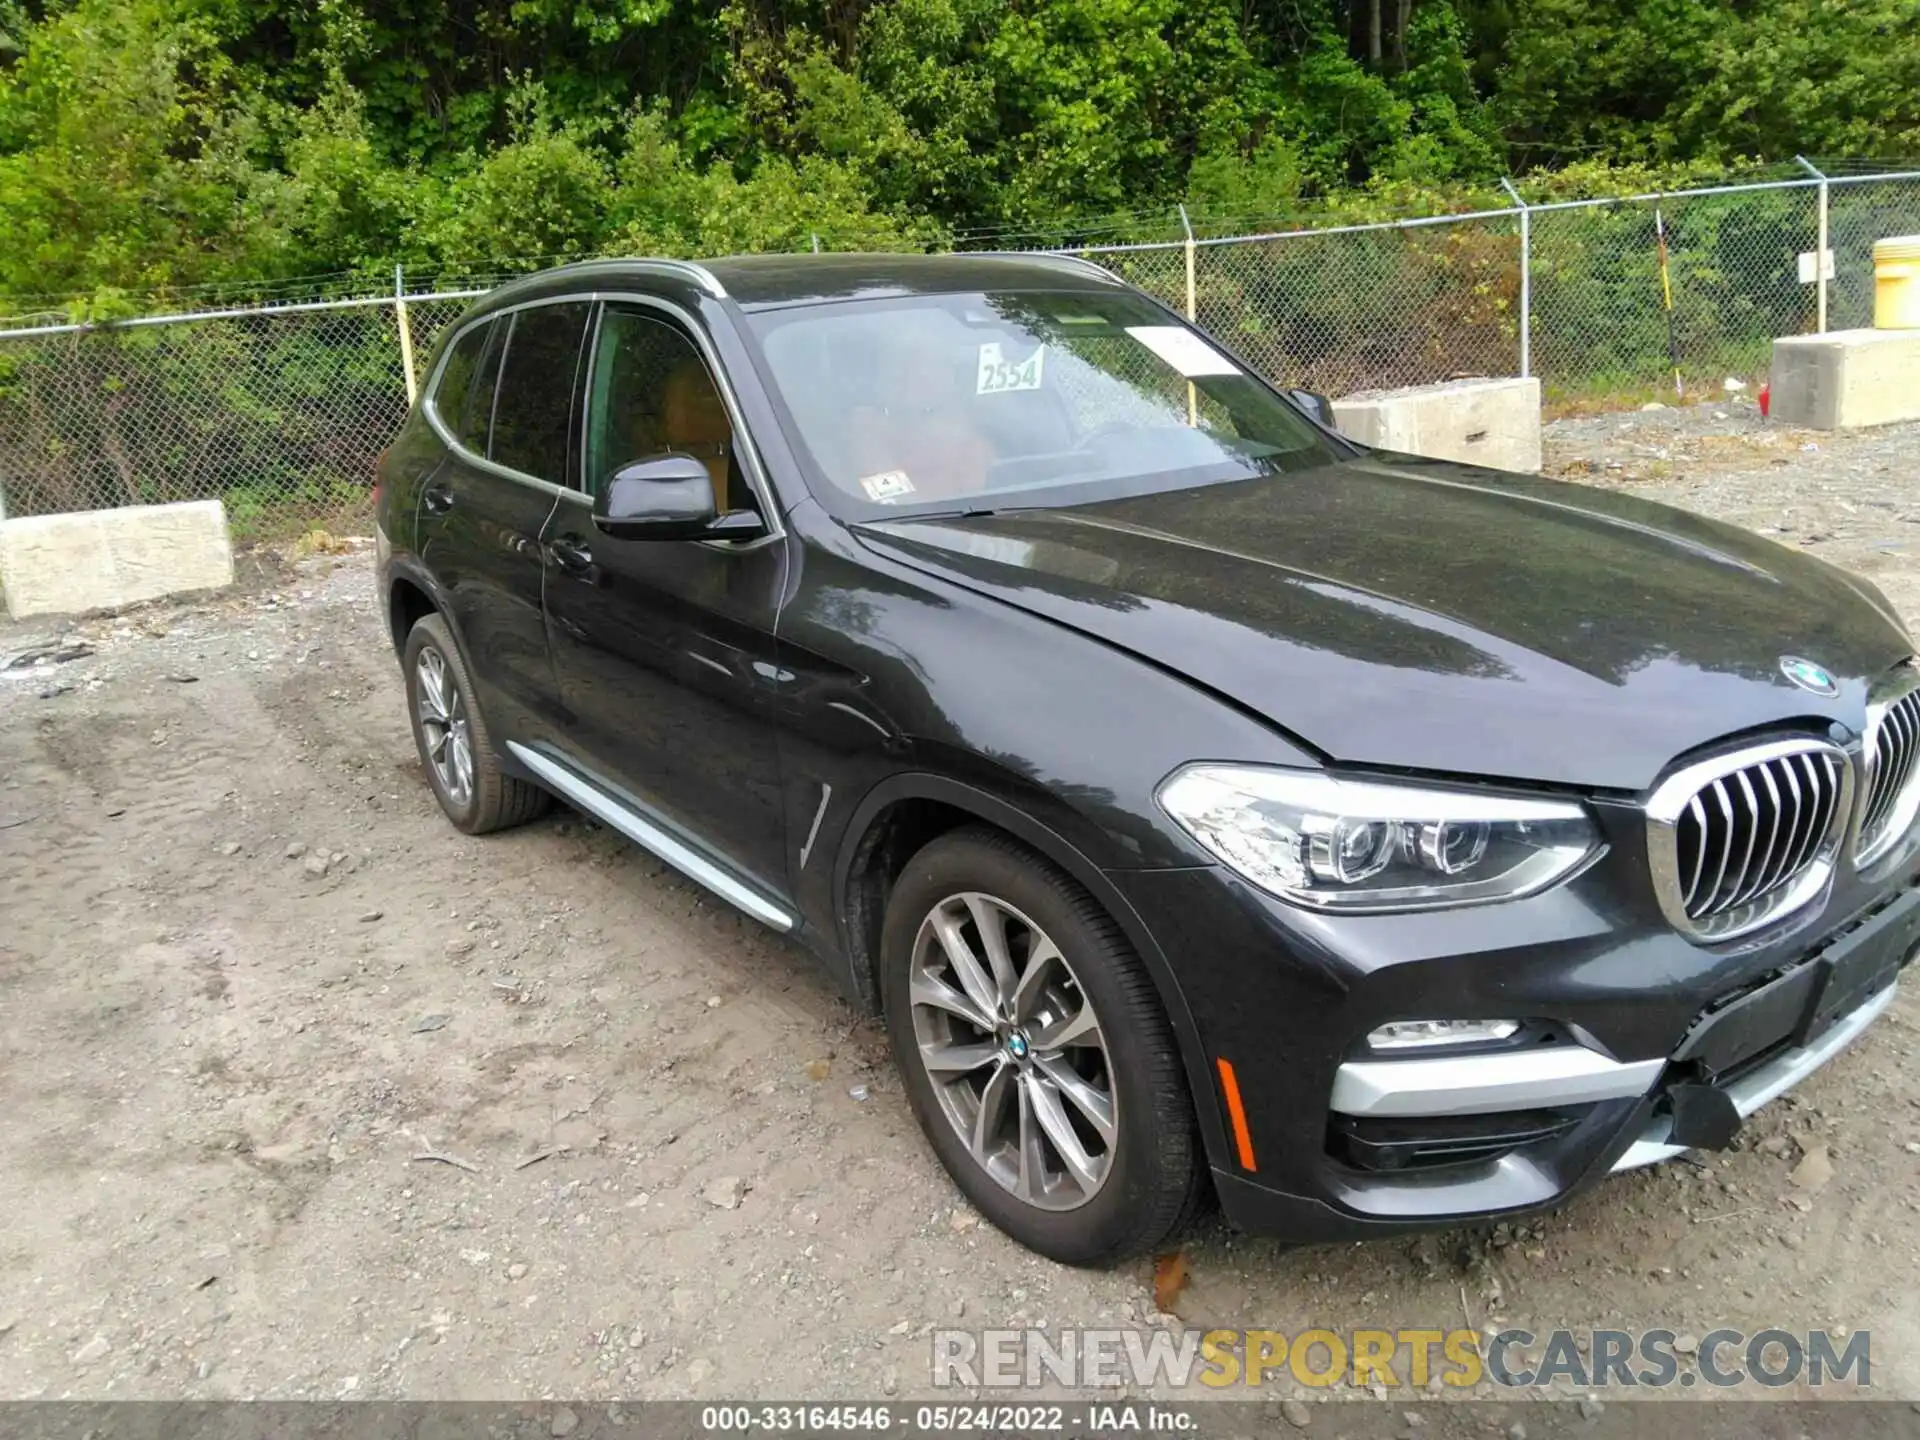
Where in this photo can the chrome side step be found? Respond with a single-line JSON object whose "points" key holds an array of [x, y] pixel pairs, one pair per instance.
{"points": [[586, 795]]}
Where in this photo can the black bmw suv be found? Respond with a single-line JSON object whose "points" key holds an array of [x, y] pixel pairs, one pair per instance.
{"points": [[1209, 804]]}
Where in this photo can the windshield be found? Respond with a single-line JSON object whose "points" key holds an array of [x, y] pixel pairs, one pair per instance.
{"points": [[1014, 400]]}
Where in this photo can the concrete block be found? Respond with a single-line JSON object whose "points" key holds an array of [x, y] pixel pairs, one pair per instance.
{"points": [[1483, 422], [1846, 378], [103, 559]]}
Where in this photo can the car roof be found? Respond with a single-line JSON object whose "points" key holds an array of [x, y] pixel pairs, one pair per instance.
{"points": [[763, 282]]}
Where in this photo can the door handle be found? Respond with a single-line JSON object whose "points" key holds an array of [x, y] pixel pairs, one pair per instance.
{"points": [[438, 499], [571, 555]]}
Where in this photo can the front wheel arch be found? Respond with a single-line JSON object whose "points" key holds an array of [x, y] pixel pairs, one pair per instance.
{"points": [[869, 858]]}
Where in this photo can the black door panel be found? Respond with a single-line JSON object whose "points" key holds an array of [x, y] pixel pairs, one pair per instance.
{"points": [[485, 550], [481, 520], [664, 649], [656, 645]]}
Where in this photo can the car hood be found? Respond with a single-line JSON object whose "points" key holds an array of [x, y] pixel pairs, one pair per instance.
{"points": [[1416, 614]]}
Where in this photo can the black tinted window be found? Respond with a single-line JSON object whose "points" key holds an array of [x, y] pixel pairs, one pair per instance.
{"points": [[530, 411], [651, 395], [456, 378], [472, 430]]}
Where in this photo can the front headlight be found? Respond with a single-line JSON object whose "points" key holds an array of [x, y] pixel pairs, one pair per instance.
{"points": [[1369, 845]]}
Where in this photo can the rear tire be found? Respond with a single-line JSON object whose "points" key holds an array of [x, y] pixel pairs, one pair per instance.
{"points": [[456, 748], [1039, 1062]]}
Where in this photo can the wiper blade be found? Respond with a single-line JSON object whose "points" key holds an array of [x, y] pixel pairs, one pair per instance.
{"points": [[970, 512]]}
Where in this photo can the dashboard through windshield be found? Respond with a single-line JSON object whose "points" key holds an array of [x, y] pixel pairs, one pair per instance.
{"points": [[1018, 399]]}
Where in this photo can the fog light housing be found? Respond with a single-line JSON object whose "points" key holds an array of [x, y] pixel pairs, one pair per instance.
{"points": [[1414, 1034]]}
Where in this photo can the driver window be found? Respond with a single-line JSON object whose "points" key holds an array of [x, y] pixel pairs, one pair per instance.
{"points": [[652, 395]]}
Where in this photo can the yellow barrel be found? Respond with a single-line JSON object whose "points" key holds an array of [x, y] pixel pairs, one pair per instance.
{"points": [[1896, 283]]}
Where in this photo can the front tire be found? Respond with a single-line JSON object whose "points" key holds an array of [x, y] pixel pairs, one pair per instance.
{"points": [[455, 746], [1036, 1054]]}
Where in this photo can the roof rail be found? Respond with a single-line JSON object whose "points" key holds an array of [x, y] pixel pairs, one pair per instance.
{"points": [[702, 276], [683, 269], [1055, 257]]}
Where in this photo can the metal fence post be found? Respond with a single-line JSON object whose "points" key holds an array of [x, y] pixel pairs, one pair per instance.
{"points": [[1526, 278], [1819, 250], [406, 333], [1186, 226]]}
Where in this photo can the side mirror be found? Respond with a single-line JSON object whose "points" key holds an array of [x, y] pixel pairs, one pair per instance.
{"points": [[1315, 404], [669, 498]]}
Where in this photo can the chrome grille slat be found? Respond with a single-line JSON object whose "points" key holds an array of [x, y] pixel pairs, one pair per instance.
{"points": [[1792, 846], [1882, 769], [1764, 869], [1743, 838], [1811, 774], [1893, 748], [1904, 722], [1737, 891], [1831, 781], [1691, 860], [1726, 828]]}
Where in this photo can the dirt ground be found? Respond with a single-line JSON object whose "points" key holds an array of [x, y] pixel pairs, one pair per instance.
{"points": [[308, 1095]]}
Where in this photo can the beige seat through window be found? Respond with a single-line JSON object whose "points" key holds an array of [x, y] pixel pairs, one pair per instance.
{"points": [[694, 422]]}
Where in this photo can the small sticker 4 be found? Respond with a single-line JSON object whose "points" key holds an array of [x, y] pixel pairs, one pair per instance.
{"points": [[887, 485], [998, 375]]}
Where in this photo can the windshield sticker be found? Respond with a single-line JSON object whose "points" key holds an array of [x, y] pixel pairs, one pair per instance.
{"points": [[887, 486], [999, 376], [1183, 350]]}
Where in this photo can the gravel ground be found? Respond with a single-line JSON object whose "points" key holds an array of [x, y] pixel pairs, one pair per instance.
{"points": [[1850, 498], [312, 1096]]}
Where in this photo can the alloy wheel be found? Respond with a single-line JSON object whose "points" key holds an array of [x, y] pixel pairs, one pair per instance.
{"points": [[443, 721], [1014, 1051]]}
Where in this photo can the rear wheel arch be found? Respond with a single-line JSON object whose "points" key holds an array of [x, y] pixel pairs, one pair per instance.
{"points": [[412, 594], [408, 602], [904, 813]]}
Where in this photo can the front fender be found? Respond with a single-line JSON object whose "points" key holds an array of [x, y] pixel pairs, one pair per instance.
{"points": [[1020, 821]]}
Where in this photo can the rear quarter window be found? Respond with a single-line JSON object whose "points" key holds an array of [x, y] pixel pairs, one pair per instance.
{"points": [[454, 385], [532, 411]]}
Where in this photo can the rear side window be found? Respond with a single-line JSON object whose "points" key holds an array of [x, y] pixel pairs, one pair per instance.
{"points": [[451, 391], [534, 402], [472, 432]]}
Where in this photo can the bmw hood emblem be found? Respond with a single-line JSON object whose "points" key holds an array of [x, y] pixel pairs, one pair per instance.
{"points": [[1809, 676]]}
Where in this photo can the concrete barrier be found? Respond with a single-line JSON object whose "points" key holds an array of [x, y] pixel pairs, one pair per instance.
{"points": [[1483, 422], [1846, 378], [103, 559]]}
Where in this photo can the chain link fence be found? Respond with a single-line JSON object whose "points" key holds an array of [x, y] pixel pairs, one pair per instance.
{"points": [[1571, 291], [282, 411]]}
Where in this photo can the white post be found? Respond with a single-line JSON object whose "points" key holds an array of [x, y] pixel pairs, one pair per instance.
{"points": [[1819, 250], [1193, 312], [406, 333], [1526, 279]]}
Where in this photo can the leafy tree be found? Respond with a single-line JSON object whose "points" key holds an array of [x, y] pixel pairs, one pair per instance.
{"points": [[169, 143]]}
